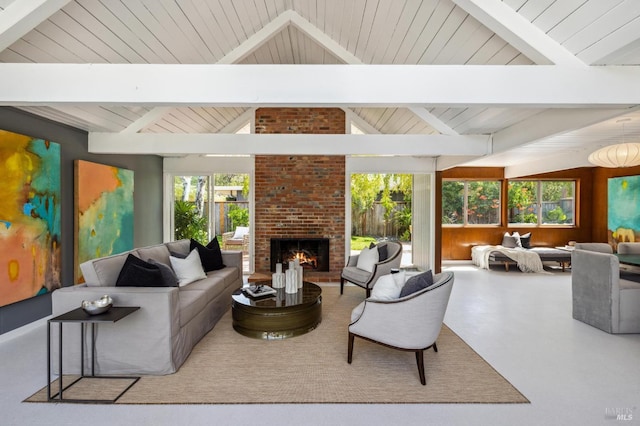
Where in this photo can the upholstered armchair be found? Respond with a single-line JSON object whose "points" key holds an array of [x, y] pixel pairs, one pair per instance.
{"points": [[367, 279], [600, 297], [410, 323], [628, 248]]}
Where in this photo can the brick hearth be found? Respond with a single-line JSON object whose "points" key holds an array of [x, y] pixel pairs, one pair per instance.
{"points": [[300, 196]]}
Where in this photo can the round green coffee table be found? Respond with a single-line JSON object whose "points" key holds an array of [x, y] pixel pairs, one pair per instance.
{"points": [[280, 316]]}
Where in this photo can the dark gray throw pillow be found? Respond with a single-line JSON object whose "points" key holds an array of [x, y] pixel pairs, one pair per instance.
{"points": [[210, 255], [168, 276], [383, 252], [137, 273], [525, 240], [417, 283]]}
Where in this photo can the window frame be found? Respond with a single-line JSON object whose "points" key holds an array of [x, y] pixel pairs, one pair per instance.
{"points": [[539, 202], [465, 204]]}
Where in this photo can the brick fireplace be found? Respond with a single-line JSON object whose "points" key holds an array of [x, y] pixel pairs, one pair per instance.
{"points": [[300, 196]]}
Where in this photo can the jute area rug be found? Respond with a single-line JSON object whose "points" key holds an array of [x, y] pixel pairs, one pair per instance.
{"points": [[228, 368]]}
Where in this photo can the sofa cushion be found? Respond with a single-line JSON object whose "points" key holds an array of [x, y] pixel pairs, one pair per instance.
{"points": [[159, 252], [210, 255], [367, 259], [417, 283], [138, 273], [191, 303], [180, 247], [108, 269], [212, 286], [168, 275], [355, 275], [188, 269], [229, 275]]}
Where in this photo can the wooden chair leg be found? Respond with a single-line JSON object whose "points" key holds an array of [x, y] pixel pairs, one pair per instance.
{"points": [[368, 292], [350, 351], [435, 347], [341, 285], [420, 362]]}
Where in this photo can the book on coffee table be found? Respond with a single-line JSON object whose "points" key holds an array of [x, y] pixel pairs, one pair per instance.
{"points": [[260, 291]]}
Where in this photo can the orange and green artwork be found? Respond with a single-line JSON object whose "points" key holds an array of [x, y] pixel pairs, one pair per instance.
{"points": [[104, 211], [30, 256]]}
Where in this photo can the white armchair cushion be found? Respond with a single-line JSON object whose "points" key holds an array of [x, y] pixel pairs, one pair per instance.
{"points": [[388, 287], [367, 259], [240, 232]]}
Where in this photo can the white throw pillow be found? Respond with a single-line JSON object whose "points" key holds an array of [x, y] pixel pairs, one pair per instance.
{"points": [[188, 269], [387, 288], [241, 231], [367, 259]]}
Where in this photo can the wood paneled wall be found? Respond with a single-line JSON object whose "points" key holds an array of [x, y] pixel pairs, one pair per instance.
{"points": [[456, 242]]}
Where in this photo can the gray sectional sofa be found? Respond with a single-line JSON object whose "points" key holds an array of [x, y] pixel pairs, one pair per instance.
{"points": [[157, 338]]}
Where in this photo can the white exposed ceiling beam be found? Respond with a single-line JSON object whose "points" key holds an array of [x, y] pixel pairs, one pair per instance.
{"points": [[519, 32], [536, 86], [147, 119], [324, 40], [259, 38], [276, 144], [433, 121], [347, 57], [245, 48], [360, 122], [20, 17], [547, 165], [239, 122], [449, 161]]}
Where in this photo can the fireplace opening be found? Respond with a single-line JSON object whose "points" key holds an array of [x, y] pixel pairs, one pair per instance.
{"points": [[313, 253]]}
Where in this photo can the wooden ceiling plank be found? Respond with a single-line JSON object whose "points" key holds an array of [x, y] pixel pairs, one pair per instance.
{"points": [[21, 17], [416, 29], [185, 25], [614, 45], [454, 24], [531, 10], [556, 13], [25, 51], [519, 32], [433, 26], [406, 18], [112, 31], [477, 39], [45, 43], [138, 34], [75, 21], [384, 21]]}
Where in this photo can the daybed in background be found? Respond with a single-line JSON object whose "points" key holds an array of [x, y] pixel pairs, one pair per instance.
{"points": [[516, 249]]}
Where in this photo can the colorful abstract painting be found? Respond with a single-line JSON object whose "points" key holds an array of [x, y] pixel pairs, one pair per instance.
{"points": [[623, 220], [103, 211], [30, 256]]}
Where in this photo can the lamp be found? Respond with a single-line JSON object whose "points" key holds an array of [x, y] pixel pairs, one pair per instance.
{"points": [[619, 155]]}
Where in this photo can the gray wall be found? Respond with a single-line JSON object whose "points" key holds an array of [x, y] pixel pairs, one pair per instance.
{"points": [[73, 146]]}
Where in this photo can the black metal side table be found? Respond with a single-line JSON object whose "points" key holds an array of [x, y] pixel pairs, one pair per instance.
{"points": [[78, 315]]}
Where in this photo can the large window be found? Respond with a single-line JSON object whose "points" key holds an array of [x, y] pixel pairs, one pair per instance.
{"points": [[470, 202], [543, 202]]}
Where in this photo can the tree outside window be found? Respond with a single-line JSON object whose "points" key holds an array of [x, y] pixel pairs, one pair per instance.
{"points": [[541, 202], [471, 202]]}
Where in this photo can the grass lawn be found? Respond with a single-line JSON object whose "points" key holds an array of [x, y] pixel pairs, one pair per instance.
{"points": [[358, 243]]}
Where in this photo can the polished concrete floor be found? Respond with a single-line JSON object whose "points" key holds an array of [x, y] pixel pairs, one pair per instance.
{"points": [[572, 373]]}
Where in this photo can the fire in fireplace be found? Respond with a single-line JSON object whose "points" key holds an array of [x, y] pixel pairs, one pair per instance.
{"points": [[312, 253]]}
